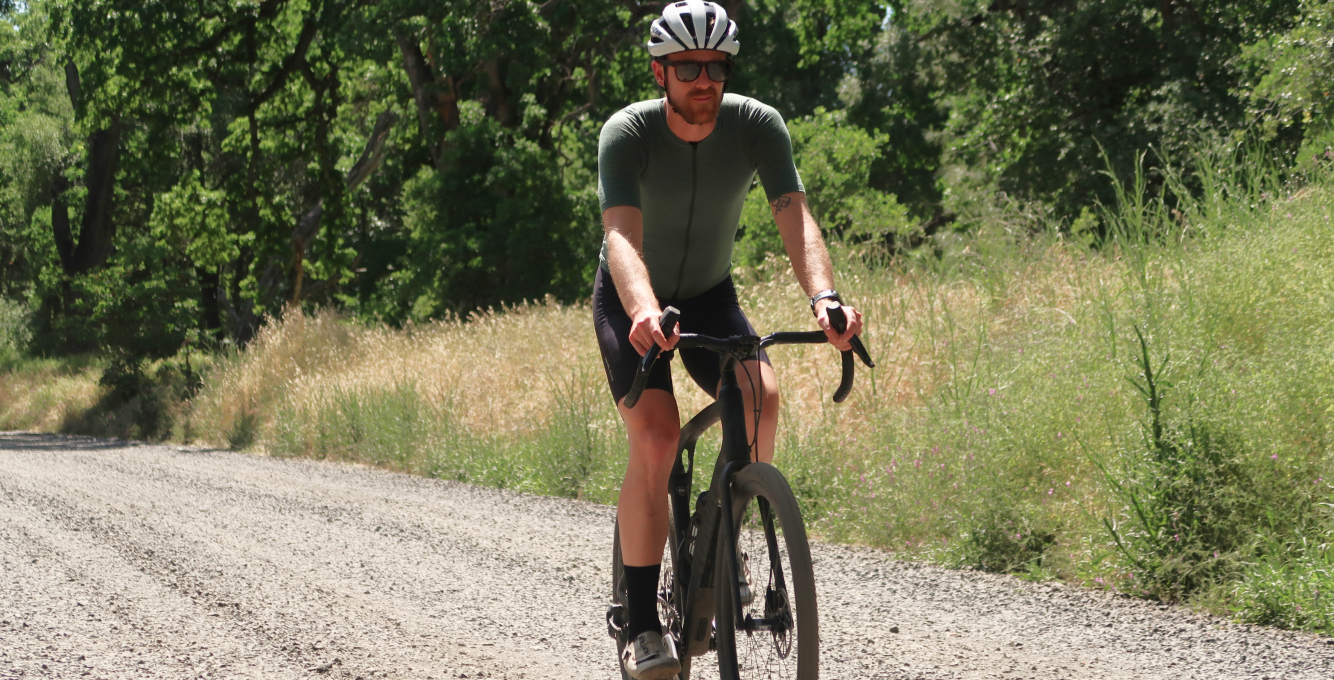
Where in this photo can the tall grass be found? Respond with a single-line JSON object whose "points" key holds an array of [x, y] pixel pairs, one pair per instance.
{"points": [[78, 395], [1152, 414], [47, 395], [14, 333], [509, 398]]}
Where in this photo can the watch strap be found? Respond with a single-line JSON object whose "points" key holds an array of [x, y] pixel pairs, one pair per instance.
{"points": [[829, 294]]}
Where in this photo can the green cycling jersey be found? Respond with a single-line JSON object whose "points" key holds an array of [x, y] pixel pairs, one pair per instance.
{"points": [[691, 193]]}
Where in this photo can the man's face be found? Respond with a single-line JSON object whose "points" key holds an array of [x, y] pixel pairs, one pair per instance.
{"points": [[696, 102]]}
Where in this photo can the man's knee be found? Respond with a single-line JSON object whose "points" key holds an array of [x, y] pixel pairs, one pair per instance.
{"points": [[654, 424]]}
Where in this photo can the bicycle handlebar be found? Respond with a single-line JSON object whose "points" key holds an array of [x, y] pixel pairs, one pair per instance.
{"points": [[667, 322], [749, 344]]}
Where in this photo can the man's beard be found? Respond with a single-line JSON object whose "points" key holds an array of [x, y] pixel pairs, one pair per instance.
{"points": [[696, 113]]}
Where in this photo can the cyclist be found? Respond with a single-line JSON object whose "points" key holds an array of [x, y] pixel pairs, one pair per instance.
{"points": [[672, 176]]}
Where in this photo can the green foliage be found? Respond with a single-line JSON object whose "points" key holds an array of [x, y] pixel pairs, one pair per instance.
{"points": [[238, 124], [893, 93], [794, 54], [1289, 586], [36, 142], [835, 160], [1036, 93], [141, 306], [998, 537], [496, 225], [1190, 507], [14, 332], [190, 221], [1293, 87]]}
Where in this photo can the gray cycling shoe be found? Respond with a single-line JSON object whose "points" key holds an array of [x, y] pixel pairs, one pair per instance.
{"points": [[651, 657]]}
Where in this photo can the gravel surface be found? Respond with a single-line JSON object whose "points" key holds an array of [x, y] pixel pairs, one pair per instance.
{"points": [[135, 561]]}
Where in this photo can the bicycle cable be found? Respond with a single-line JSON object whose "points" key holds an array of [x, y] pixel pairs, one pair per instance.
{"points": [[757, 399]]}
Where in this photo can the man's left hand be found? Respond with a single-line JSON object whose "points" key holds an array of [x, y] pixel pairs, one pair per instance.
{"points": [[840, 340]]}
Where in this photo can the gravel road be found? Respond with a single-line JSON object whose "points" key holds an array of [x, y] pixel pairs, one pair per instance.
{"points": [[137, 561]]}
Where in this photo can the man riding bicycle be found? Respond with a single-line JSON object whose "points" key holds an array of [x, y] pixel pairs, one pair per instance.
{"points": [[672, 176]]}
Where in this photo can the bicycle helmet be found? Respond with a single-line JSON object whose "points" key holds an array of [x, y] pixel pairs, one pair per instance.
{"points": [[692, 25]]}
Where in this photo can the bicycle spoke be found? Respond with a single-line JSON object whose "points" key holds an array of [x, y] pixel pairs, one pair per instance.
{"points": [[777, 632], [764, 555]]}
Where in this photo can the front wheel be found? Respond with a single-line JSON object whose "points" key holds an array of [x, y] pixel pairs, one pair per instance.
{"points": [[773, 563]]}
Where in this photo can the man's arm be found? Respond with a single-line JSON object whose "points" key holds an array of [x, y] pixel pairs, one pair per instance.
{"points": [[624, 227], [810, 260]]}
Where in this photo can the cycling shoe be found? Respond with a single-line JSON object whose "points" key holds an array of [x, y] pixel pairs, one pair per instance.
{"points": [[651, 657]]}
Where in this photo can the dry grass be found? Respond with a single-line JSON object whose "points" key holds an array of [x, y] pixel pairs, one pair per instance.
{"points": [[47, 396], [310, 385], [495, 374], [499, 372]]}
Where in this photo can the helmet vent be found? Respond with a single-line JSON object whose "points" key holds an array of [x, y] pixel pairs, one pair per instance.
{"points": [[692, 25]]}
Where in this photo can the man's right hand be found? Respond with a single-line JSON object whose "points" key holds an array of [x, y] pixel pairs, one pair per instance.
{"points": [[644, 332]]}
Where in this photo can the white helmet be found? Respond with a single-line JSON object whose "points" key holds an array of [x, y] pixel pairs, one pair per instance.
{"points": [[692, 25]]}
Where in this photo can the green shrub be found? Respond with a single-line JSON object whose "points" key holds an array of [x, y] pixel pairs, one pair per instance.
{"points": [[1291, 586], [14, 332], [834, 158], [1189, 506]]}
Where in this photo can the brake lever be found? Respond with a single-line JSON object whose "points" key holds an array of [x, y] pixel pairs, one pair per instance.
{"points": [[667, 322]]}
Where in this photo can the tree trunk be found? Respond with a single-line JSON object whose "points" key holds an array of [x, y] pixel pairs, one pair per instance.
{"points": [[498, 103], [60, 223], [98, 229], [437, 99]]}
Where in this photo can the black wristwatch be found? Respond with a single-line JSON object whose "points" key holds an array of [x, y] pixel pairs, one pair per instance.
{"points": [[830, 294]]}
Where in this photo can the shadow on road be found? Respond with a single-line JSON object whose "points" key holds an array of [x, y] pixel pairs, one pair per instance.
{"points": [[33, 441]]}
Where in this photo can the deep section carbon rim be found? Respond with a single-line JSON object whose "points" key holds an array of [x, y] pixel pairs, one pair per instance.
{"points": [[775, 565]]}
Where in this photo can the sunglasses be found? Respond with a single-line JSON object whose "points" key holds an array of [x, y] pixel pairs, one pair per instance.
{"points": [[688, 71]]}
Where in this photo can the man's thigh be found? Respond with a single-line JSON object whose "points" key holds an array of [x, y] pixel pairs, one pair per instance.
{"points": [[716, 313], [620, 359]]}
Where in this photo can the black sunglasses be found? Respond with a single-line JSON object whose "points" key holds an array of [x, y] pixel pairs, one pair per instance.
{"points": [[688, 71]]}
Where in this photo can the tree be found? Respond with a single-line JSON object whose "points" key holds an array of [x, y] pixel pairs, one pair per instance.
{"points": [[1037, 92], [1289, 93]]}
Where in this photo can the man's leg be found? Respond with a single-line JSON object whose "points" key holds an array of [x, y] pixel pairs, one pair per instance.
{"points": [[654, 427], [757, 380]]}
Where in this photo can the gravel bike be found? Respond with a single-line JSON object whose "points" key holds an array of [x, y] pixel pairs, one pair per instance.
{"points": [[737, 575]]}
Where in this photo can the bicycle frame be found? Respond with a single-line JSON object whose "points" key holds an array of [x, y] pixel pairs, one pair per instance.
{"points": [[698, 570]]}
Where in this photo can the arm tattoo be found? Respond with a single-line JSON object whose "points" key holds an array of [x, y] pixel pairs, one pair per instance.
{"points": [[779, 203]]}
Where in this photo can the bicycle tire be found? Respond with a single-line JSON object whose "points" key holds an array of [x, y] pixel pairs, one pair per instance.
{"points": [[794, 654], [669, 596]]}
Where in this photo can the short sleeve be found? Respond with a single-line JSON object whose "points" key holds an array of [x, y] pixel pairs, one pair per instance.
{"points": [[770, 148], [622, 156]]}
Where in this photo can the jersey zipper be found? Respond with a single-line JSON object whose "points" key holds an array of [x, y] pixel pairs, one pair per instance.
{"points": [[690, 217]]}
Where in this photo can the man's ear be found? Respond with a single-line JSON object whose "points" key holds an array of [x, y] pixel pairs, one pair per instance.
{"points": [[659, 74]]}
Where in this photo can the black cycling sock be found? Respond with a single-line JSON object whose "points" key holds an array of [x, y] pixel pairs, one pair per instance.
{"points": [[641, 589]]}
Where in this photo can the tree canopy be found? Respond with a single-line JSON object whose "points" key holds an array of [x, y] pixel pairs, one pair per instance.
{"points": [[172, 172]]}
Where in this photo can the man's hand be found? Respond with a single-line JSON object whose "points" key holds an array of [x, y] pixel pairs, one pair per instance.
{"points": [[841, 341], [644, 332]]}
